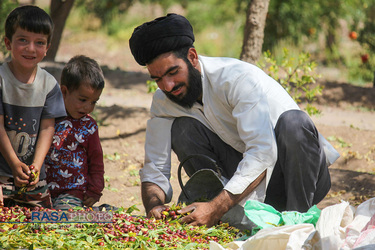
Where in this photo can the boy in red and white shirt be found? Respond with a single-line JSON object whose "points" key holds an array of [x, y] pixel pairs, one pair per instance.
{"points": [[74, 163]]}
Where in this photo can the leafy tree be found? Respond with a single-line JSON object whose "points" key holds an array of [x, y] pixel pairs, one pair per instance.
{"points": [[59, 13], [254, 30], [367, 39], [105, 10], [361, 21], [299, 21], [289, 19], [6, 6], [224, 11]]}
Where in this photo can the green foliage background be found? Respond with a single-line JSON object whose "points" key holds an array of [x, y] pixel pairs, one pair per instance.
{"points": [[6, 6], [298, 25]]}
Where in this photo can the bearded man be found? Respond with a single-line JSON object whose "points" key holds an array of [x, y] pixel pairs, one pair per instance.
{"points": [[233, 112]]}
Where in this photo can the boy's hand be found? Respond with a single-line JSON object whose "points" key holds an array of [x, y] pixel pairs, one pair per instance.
{"points": [[21, 174], [88, 201], [32, 180], [34, 175]]}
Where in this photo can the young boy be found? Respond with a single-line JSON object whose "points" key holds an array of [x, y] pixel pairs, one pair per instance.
{"points": [[75, 169], [30, 100]]}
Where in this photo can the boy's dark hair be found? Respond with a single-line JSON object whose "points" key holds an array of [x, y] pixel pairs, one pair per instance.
{"points": [[82, 69], [30, 18]]}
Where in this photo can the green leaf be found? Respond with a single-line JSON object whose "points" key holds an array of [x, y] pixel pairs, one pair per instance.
{"points": [[89, 239], [191, 246], [132, 209], [106, 238]]}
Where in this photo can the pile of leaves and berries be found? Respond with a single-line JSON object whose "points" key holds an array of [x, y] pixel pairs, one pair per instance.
{"points": [[125, 231]]}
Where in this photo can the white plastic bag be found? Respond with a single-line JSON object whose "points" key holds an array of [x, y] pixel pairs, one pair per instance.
{"points": [[289, 237], [343, 227], [360, 232], [330, 228]]}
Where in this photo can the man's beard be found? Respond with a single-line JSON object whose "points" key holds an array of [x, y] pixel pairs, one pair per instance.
{"points": [[193, 90]]}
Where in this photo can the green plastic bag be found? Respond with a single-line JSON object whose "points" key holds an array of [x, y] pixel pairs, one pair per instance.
{"points": [[265, 216]]}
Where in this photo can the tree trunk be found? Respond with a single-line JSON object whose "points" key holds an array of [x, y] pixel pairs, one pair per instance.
{"points": [[60, 10], [254, 30]]}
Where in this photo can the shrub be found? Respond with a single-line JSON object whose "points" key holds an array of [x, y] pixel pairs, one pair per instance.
{"points": [[298, 77]]}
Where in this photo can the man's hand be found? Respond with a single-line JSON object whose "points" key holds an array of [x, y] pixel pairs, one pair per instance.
{"points": [[153, 198], [156, 212], [209, 213], [202, 213]]}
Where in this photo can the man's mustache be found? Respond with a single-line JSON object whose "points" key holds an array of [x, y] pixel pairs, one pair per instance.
{"points": [[174, 88]]}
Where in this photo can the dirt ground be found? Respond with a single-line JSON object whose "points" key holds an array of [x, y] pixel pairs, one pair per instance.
{"points": [[347, 120]]}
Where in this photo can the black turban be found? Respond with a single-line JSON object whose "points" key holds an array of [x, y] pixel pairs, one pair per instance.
{"points": [[164, 34]]}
